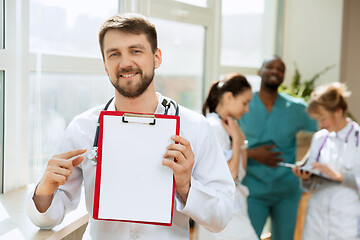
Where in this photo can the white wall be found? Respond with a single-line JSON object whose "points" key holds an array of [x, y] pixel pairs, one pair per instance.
{"points": [[312, 37]]}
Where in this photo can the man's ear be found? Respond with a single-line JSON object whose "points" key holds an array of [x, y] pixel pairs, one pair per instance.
{"points": [[157, 58]]}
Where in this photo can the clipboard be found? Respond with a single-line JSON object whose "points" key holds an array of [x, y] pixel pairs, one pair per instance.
{"points": [[131, 184], [307, 169]]}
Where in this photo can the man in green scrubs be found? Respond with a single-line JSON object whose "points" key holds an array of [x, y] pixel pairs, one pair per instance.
{"points": [[271, 126]]}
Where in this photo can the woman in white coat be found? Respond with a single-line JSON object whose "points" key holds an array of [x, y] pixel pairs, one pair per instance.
{"points": [[227, 101], [334, 207]]}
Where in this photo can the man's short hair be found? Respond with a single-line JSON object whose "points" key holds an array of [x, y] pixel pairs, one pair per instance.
{"points": [[129, 23], [271, 58]]}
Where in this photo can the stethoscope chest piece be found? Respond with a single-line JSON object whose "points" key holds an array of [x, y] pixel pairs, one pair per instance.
{"points": [[92, 155]]}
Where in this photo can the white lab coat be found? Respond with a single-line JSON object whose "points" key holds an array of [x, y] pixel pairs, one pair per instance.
{"points": [[334, 208], [209, 201], [239, 228]]}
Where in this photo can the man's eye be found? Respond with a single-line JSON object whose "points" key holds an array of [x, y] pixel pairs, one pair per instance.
{"points": [[113, 55]]}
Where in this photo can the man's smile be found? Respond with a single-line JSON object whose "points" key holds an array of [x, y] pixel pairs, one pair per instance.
{"points": [[129, 75]]}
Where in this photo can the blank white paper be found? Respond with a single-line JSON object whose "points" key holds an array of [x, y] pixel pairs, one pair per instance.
{"points": [[134, 185]]}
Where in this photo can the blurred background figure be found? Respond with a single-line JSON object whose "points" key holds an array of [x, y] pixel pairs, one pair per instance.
{"points": [[226, 102], [271, 126], [334, 207]]}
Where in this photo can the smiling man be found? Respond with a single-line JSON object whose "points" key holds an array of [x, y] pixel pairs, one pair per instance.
{"points": [[128, 45], [271, 126]]}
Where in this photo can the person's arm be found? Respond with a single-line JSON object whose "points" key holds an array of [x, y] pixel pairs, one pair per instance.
{"points": [[349, 180], [58, 171], [329, 171], [244, 156], [234, 161], [263, 155], [238, 140]]}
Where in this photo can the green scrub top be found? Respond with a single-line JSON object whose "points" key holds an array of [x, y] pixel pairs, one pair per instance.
{"points": [[287, 117]]}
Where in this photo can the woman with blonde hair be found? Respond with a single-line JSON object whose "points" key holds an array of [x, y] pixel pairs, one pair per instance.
{"points": [[334, 207], [227, 101]]}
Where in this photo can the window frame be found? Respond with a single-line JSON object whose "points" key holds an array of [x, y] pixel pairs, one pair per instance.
{"points": [[14, 63], [2, 77], [2, 73]]}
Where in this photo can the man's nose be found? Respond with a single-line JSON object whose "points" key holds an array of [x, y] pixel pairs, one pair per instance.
{"points": [[125, 62], [275, 71]]}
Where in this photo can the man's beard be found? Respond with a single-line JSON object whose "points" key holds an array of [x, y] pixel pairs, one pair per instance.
{"points": [[138, 89], [273, 87]]}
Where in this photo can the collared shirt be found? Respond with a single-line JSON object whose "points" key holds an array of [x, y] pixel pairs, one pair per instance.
{"points": [[288, 116], [210, 198]]}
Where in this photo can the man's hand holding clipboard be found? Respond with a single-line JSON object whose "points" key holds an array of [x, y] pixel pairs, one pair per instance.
{"points": [[181, 165]]}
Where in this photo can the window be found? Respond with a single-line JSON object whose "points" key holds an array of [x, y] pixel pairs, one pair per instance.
{"points": [[68, 27], [242, 32], [51, 113], [248, 35], [52, 44], [75, 39], [188, 37], [64, 49], [180, 75]]}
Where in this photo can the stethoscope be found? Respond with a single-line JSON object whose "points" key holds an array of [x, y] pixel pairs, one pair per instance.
{"points": [[92, 156], [346, 140]]}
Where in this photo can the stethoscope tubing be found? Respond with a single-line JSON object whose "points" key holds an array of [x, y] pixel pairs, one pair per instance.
{"points": [[346, 140]]}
